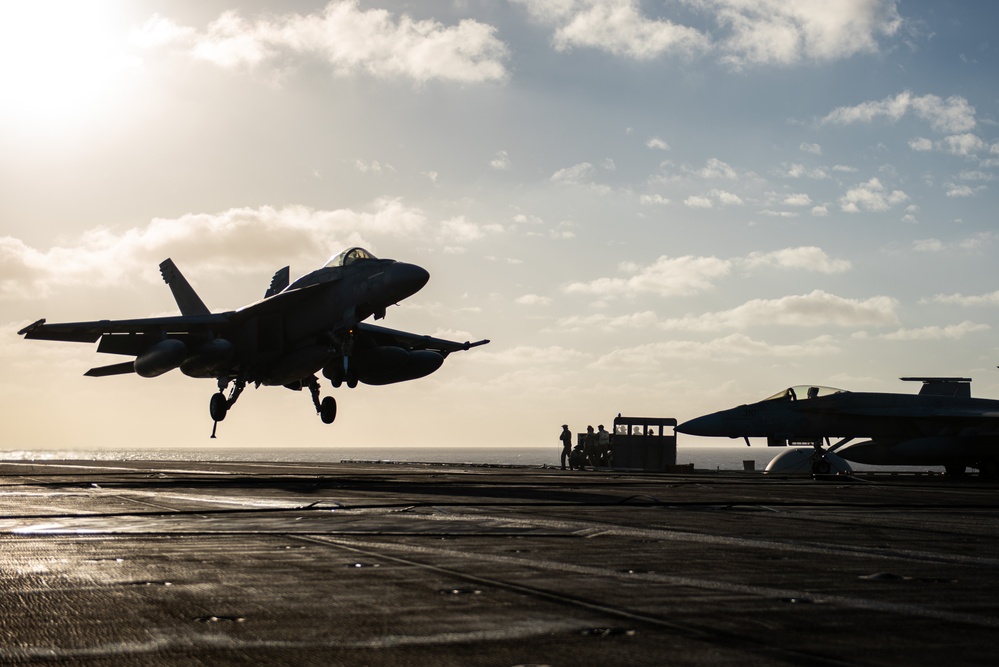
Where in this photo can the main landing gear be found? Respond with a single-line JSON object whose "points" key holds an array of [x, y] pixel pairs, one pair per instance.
{"points": [[325, 408], [219, 405]]}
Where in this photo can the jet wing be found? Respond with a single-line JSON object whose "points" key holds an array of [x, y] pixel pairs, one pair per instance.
{"points": [[90, 332], [411, 341]]}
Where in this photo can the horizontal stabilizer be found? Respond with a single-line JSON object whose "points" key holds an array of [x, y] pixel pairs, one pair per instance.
{"points": [[113, 369], [279, 282], [187, 299]]}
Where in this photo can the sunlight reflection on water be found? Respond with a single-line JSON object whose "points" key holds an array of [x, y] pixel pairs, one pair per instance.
{"points": [[706, 457]]}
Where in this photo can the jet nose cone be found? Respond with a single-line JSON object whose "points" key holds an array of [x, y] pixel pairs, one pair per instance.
{"points": [[696, 426], [407, 279]]}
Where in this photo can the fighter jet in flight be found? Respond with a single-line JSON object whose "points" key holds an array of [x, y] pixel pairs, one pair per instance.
{"points": [[941, 425], [313, 324]]}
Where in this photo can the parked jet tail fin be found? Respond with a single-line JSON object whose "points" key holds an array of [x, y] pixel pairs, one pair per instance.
{"points": [[934, 386], [279, 282], [187, 299]]}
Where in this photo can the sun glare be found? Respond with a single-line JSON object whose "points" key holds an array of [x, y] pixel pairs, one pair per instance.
{"points": [[59, 59]]}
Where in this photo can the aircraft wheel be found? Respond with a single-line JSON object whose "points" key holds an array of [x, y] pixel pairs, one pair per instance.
{"points": [[351, 379], [955, 470], [336, 382], [821, 467], [218, 407], [327, 410]]}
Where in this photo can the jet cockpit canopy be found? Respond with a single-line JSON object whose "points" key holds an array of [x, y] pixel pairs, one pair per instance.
{"points": [[803, 392], [349, 256]]}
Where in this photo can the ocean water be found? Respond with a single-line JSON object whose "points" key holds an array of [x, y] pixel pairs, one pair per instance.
{"points": [[704, 457]]}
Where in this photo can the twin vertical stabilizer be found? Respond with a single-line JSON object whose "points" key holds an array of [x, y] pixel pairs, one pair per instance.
{"points": [[187, 299]]}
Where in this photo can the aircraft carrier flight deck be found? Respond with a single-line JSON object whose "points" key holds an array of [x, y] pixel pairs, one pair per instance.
{"points": [[185, 563]]}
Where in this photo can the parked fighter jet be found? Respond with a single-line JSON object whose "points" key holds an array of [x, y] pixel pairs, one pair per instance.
{"points": [[941, 425], [315, 323]]}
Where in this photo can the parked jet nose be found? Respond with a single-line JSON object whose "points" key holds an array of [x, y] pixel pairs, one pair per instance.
{"points": [[405, 280], [741, 422], [707, 426]]}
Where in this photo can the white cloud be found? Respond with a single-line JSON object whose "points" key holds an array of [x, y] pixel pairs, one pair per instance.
{"points": [[971, 243], [533, 300], [602, 322], [348, 39], [523, 219], [653, 200], [715, 168], [990, 299], [820, 211], [784, 33], [500, 161], [158, 32], [617, 27], [928, 245], [577, 174], [240, 240], [807, 258], [670, 276], [954, 190], [795, 170], [871, 196], [657, 144], [667, 276], [814, 149], [964, 144], [460, 230], [797, 199], [758, 32], [696, 201], [720, 350], [951, 332], [373, 167], [947, 116], [712, 197], [815, 309], [528, 356], [726, 198]]}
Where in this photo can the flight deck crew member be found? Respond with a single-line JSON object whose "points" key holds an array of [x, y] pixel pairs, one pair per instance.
{"points": [[589, 448], [566, 438], [603, 444]]}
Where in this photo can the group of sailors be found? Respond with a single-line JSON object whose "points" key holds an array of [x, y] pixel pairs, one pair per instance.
{"points": [[593, 448]]}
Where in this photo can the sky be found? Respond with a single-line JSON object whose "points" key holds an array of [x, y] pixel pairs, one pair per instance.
{"points": [[650, 208]]}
